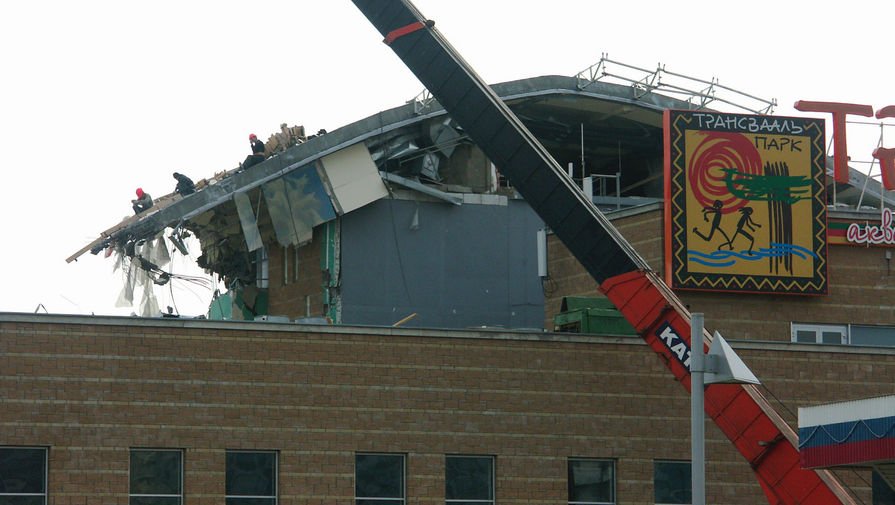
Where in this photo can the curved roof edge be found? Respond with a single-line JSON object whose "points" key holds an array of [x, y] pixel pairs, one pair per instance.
{"points": [[223, 189], [381, 122]]}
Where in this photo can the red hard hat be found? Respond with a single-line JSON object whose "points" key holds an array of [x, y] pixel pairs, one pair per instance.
{"points": [[252, 136], [139, 192]]}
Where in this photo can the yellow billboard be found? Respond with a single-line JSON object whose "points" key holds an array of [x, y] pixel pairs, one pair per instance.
{"points": [[745, 203]]}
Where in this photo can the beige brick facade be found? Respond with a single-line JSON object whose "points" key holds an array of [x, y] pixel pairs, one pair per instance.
{"points": [[297, 292], [861, 288], [91, 388]]}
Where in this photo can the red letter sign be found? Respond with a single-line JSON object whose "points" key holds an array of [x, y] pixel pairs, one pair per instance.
{"points": [[839, 111], [885, 156]]}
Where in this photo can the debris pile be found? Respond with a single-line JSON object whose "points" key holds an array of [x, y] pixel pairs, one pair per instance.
{"points": [[143, 259], [288, 137]]}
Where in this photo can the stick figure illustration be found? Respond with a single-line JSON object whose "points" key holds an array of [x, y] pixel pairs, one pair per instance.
{"points": [[745, 222], [716, 223]]}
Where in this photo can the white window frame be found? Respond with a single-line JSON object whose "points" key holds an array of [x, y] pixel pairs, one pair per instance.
{"points": [[614, 476], [146, 449], [45, 472], [819, 329], [396, 501], [276, 479], [493, 499]]}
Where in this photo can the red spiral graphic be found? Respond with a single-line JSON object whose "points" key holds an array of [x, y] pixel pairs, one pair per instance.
{"points": [[717, 151]]}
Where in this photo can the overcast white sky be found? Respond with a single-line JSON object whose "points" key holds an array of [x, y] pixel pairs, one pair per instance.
{"points": [[100, 97]]}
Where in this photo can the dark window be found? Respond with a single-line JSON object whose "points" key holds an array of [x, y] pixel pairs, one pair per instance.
{"points": [[672, 482], [469, 480], [806, 336], [261, 262], [591, 481], [251, 478], [819, 333], [156, 477], [882, 493], [379, 479], [873, 335], [23, 476], [831, 337]]}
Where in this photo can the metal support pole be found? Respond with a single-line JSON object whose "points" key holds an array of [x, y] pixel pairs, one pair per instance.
{"points": [[697, 409], [583, 168], [618, 190]]}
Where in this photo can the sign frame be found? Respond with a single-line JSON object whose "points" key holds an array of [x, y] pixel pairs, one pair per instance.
{"points": [[722, 167]]}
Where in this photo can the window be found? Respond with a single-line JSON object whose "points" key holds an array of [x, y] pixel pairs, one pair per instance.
{"points": [[591, 481], [469, 480], [379, 479], [262, 266], [23, 475], [156, 477], [882, 336], [836, 334], [672, 482], [251, 478]]}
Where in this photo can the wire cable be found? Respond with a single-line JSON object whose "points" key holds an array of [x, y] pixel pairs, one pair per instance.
{"points": [[398, 251]]}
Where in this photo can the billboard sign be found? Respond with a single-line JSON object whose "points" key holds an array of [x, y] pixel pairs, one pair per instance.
{"points": [[745, 203]]}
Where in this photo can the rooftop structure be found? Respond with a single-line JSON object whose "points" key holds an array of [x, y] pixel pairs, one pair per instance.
{"points": [[607, 134]]}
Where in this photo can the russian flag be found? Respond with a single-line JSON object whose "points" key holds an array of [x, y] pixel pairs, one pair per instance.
{"points": [[857, 433]]}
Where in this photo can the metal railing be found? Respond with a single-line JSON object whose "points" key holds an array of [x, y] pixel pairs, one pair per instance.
{"points": [[698, 92]]}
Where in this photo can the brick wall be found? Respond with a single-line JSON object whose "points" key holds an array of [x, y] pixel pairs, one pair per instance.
{"points": [[861, 288], [90, 388], [302, 296]]}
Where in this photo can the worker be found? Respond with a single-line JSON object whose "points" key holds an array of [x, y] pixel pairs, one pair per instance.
{"points": [[185, 185], [257, 155], [143, 201]]}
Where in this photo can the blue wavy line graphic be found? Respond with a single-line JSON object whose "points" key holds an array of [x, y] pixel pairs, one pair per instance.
{"points": [[724, 259]]}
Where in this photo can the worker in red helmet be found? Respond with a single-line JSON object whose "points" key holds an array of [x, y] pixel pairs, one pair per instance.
{"points": [[257, 155], [143, 201]]}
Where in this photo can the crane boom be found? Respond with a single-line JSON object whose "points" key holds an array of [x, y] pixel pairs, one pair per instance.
{"points": [[740, 411]]}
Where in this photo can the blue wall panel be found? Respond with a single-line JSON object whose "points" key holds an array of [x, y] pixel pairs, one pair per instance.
{"points": [[459, 267]]}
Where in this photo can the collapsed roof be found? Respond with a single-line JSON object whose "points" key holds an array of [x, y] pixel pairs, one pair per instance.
{"points": [[600, 128]]}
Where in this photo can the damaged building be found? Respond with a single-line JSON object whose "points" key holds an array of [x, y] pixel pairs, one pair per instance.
{"points": [[400, 218], [400, 215]]}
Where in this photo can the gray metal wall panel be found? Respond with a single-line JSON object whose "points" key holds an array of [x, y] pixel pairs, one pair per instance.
{"points": [[472, 265]]}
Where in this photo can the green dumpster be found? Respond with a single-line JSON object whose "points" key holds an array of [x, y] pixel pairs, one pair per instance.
{"points": [[590, 315]]}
